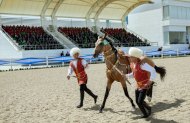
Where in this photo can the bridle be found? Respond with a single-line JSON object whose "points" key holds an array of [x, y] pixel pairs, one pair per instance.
{"points": [[117, 61]]}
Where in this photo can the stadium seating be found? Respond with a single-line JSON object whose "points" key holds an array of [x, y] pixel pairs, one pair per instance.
{"points": [[81, 36], [124, 38], [32, 38]]}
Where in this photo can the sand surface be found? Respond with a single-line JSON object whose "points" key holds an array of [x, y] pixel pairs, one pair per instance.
{"points": [[46, 96]]}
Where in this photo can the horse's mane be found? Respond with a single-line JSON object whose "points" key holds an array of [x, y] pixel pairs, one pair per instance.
{"points": [[112, 46]]}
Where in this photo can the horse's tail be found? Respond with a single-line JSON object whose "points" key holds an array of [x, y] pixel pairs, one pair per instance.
{"points": [[162, 71]]}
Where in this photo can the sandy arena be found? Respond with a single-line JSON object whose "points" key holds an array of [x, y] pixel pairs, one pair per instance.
{"points": [[46, 96]]}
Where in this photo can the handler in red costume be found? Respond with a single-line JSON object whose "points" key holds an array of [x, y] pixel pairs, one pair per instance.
{"points": [[78, 65], [142, 75]]}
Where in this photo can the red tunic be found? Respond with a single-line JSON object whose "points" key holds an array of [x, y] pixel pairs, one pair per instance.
{"points": [[80, 72], [141, 76]]}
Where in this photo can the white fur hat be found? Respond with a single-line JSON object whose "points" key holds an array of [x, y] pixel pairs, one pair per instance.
{"points": [[74, 51], [135, 52]]}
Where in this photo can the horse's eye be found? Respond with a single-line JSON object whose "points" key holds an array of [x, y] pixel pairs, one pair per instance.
{"points": [[101, 43]]}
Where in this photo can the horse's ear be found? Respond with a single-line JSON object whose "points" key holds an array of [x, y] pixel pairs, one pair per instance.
{"points": [[105, 35]]}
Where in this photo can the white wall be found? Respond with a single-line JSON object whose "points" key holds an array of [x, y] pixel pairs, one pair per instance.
{"points": [[52, 53], [176, 46], [145, 49], [101, 24], [176, 22], [115, 25], [148, 24], [20, 21], [175, 28], [183, 3], [6, 48], [74, 23], [70, 23], [84, 51], [41, 53]]}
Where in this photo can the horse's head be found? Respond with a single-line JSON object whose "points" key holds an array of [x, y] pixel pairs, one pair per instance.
{"points": [[101, 45]]}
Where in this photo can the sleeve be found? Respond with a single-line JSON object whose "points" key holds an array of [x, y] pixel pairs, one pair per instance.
{"points": [[130, 75], [84, 63], [150, 69], [70, 71]]}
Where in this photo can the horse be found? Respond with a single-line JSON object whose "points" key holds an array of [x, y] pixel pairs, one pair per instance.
{"points": [[115, 70]]}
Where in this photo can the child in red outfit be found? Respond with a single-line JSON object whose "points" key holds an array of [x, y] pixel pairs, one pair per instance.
{"points": [[78, 65]]}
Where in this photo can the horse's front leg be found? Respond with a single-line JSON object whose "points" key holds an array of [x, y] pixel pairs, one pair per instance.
{"points": [[123, 83], [109, 83]]}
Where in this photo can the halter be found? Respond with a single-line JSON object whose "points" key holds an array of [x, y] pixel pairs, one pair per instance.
{"points": [[108, 56], [104, 43]]}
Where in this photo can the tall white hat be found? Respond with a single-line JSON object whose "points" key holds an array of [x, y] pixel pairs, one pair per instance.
{"points": [[74, 51], [135, 52]]}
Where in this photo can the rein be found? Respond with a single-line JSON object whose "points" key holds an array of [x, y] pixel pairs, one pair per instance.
{"points": [[117, 61]]}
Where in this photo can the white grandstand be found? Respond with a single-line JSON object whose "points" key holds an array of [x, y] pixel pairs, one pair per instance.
{"points": [[51, 14], [92, 14]]}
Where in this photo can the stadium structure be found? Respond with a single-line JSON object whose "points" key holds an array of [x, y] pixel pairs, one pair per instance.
{"points": [[45, 28]]}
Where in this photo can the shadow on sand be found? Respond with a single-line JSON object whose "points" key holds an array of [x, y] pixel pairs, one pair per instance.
{"points": [[97, 107], [158, 107]]}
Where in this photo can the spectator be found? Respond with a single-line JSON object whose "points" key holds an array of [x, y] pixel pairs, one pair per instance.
{"points": [[67, 54], [160, 48], [124, 38], [62, 53], [32, 37], [81, 36]]}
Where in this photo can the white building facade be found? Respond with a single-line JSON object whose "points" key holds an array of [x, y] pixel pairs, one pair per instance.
{"points": [[168, 23]]}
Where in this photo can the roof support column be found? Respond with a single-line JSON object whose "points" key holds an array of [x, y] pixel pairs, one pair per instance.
{"points": [[53, 15], [129, 10], [102, 8], [94, 8], [46, 5], [124, 24]]}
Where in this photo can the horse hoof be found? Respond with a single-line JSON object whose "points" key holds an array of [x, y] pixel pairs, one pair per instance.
{"points": [[100, 111]]}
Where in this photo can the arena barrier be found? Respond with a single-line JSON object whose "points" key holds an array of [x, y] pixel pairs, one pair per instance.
{"points": [[10, 64]]}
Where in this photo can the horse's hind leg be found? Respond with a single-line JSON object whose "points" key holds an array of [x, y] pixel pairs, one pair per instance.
{"points": [[127, 94], [106, 95]]}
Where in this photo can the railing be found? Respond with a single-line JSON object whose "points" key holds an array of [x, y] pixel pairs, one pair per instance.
{"points": [[11, 39], [130, 44], [41, 47], [28, 63]]}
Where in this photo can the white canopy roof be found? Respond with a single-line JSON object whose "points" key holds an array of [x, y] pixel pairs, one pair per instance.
{"points": [[89, 9]]}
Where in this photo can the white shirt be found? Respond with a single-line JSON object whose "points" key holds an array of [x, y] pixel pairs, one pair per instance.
{"points": [[70, 69], [148, 68]]}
